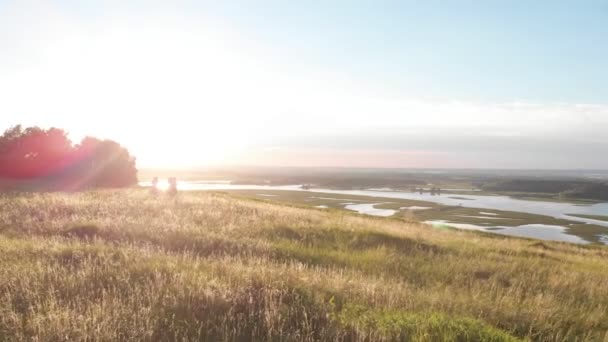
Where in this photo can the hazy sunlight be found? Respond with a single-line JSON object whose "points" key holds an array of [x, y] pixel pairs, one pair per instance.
{"points": [[283, 170]]}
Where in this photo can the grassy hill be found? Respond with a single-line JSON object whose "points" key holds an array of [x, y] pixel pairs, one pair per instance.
{"points": [[123, 265]]}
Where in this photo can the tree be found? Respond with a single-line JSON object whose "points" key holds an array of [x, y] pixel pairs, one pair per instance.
{"points": [[33, 152], [47, 160], [593, 190], [105, 163]]}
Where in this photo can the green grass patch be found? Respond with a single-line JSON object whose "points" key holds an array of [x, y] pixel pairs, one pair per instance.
{"points": [[409, 326]]}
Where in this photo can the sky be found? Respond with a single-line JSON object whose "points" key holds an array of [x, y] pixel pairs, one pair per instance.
{"points": [[399, 84]]}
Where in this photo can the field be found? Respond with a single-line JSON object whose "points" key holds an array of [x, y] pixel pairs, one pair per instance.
{"points": [[593, 217], [125, 265]]}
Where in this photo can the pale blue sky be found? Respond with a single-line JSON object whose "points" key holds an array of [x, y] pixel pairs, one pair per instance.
{"points": [[554, 51], [521, 84]]}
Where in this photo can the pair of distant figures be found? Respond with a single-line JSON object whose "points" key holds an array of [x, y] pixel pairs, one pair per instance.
{"points": [[172, 189]]}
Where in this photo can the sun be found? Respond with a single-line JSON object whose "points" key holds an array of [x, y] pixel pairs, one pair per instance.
{"points": [[162, 185]]}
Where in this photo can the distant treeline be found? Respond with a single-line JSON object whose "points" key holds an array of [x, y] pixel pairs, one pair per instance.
{"points": [[45, 159], [598, 191], [564, 188], [338, 182]]}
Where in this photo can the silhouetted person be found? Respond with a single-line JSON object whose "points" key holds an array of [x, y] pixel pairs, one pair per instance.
{"points": [[172, 186], [154, 188]]}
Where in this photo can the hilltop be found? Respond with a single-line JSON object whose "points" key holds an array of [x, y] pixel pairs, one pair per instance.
{"points": [[125, 265]]}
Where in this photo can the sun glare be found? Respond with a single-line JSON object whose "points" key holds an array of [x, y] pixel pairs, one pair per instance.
{"points": [[162, 185]]}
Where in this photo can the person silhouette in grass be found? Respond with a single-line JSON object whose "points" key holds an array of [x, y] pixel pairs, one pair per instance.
{"points": [[172, 186], [154, 188]]}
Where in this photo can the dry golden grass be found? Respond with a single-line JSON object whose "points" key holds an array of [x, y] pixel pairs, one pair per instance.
{"points": [[123, 265]]}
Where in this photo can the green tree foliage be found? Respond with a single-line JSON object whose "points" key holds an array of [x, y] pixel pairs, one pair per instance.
{"points": [[46, 159], [107, 163], [582, 189], [596, 191]]}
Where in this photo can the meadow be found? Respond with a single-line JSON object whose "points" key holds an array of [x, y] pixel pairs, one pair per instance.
{"points": [[121, 265]]}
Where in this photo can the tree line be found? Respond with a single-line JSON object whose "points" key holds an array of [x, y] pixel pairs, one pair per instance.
{"points": [[34, 158], [583, 189]]}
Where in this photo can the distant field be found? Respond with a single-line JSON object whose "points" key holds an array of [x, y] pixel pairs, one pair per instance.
{"points": [[558, 186], [312, 198], [593, 217], [338, 178], [453, 214], [124, 265], [543, 197]]}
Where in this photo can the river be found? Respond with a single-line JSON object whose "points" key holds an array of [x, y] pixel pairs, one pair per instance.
{"points": [[470, 200]]}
